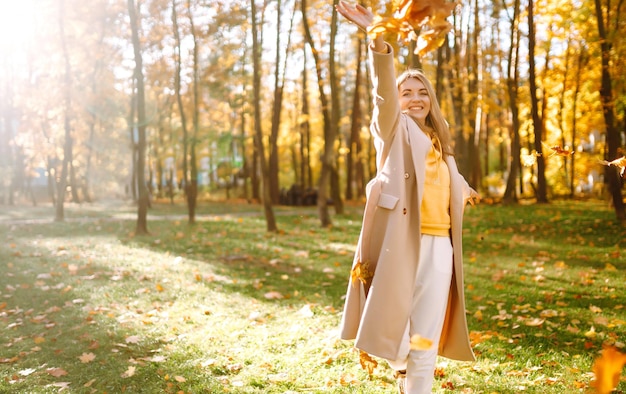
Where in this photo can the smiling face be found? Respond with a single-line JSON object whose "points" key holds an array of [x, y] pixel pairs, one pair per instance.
{"points": [[414, 99]]}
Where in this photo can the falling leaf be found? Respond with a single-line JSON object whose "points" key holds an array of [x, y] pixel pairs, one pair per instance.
{"points": [[129, 372], [418, 342], [619, 163], [362, 272], [608, 369], [367, 362], [87, 357]]}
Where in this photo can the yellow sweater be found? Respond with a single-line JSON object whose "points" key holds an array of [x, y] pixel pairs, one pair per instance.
{"points": [[436, 199]]}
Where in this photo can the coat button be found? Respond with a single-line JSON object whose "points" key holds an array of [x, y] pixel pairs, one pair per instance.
{"points": [[406, 175]]}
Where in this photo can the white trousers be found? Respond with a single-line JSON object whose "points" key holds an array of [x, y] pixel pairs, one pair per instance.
{"points": [[430, 300]]}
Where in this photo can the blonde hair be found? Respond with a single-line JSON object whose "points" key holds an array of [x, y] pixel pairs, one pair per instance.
{"points": [[435, 121]]}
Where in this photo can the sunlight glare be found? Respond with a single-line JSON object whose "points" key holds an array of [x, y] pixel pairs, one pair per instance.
{"points": [[16, 25]]}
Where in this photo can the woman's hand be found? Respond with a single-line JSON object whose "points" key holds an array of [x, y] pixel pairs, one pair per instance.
{"points": [[474, 197], [357, 14], [363, 18]]}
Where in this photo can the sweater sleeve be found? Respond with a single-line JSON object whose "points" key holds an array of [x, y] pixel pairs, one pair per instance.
{"points": [[386, 111]]}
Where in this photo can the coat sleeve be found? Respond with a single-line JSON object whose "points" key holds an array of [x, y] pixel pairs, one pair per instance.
{"points": [[386, 111]]}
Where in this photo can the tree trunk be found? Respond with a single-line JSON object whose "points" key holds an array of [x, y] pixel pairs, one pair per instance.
{"points": [[328, 161], [612, 132], [514, 164], [183, 118], [192, 188], [305, 131], [67, 147], [270, 219], [142, 191], [354, 165], [541, 191]]}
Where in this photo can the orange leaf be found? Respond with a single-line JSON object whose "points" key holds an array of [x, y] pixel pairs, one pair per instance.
{"points": [[367, 362], [608, 369]]}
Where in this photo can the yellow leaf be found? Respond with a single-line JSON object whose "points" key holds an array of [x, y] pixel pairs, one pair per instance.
{"points": [[608, 369], [418, 342], [39, 340], [86, 357], [591, 333], [362, 272], [159, 288]]}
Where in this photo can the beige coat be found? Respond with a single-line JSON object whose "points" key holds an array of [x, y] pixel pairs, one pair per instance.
{"points": [[376, 312]]}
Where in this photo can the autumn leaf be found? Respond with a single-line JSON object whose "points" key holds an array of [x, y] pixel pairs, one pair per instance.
{"points": [[87, 357], [273, 295], [132, 339], [367, 362], [608, 369], [423, 21], [418, 342], [56, 372], [362, 272], [619, 163], [129, 372]]}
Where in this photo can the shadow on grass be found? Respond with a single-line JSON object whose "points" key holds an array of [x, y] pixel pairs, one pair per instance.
{"points": [[57, 338]]}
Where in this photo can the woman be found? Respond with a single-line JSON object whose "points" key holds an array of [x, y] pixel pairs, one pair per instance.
{"points": [[407, 275]]}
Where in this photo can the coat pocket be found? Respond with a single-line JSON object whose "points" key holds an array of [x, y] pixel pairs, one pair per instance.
{"points": [[387, 201]]}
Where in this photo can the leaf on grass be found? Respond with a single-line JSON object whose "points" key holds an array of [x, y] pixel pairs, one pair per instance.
{"points": [[87, 357], [159, 287], [273, 295], [26, 372], [306, 311], [535, 322], [367, 362], [129, 372], [418, 342], [56, 372], [39, 340], [608, 369], [180, 379], [89, 383], [132, 339]]}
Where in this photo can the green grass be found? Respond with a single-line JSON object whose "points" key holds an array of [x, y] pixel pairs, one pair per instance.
{"points": [[224, 307]]}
